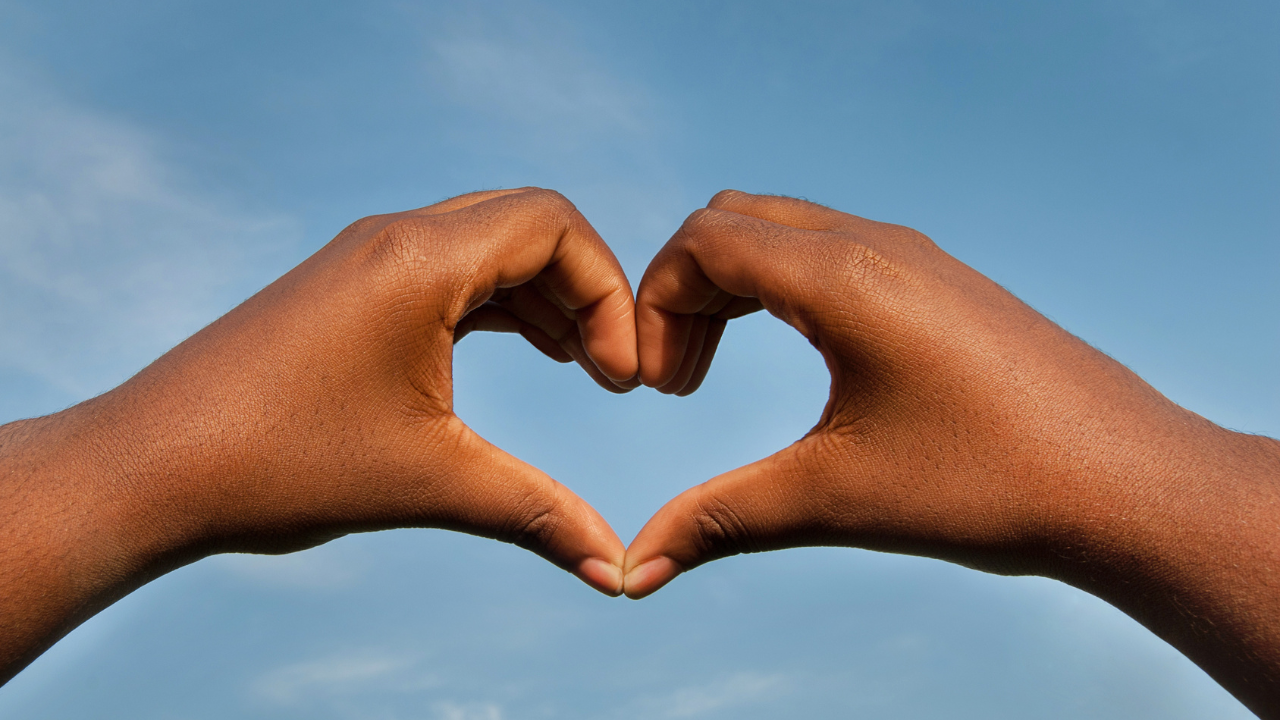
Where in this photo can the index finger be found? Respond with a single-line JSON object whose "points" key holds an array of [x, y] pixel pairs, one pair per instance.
{"points": [[535, 232], [714, 260]]}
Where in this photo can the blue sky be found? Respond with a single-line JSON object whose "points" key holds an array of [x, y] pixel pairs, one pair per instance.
{"points": [[1116, 165]]}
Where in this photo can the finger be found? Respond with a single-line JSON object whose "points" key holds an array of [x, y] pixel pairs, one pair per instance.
{"points": [[715, 330], [461, 201], [789, 211], [807, 215], [539, 308], [544, 325], [489, 493], [692, 353], [491, 317], [531, 305], [739, 307], [767, 505], [540, 233], [714, 257], [716, 325], [528, 304], [572, 344]]}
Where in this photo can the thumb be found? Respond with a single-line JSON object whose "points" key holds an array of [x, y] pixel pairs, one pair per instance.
{"points": [[767, 505], [496, 495]]}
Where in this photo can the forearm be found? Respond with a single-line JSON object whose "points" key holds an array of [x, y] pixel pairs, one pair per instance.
{"points": [[1192, 552], [965, 426], [73, 535]]}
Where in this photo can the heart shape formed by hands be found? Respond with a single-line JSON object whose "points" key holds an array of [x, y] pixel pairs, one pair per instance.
{"points": [[341, 418], [960, 425], [912, 452]]}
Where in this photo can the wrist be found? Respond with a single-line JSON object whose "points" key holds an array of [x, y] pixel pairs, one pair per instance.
{"points": [[84, 488], [1185, 542], [74, 536], [1156, 505]]}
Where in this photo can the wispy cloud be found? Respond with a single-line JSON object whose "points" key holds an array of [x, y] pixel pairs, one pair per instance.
{"points": [[329, 567], [720, 694], [107, 255], [345, 674], [521, 65], [468, 711], [531, 84], [365, 683]]}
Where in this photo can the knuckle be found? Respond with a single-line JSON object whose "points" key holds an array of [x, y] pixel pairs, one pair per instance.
{"points": [[700, 218], [364, 225], [701, 225], [533, 522], [399, 238], [903, 235], [881, 264], [720, 530], [548, 202], [784, 209], [726, 198], [409, 255], [861, 263], [546, 210]]}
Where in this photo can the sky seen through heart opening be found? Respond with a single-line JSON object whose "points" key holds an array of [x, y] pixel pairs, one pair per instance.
{"points": [[1113, 164]]}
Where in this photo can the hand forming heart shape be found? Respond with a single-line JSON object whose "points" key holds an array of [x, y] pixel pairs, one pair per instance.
{"points": [[961, 424]]}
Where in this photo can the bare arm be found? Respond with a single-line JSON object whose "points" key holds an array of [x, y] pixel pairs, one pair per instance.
{"points": [[962, 425], [321, 406]]}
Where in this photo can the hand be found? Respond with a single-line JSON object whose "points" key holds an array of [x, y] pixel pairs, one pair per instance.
{"points": [[965, 426], [321, 406]]}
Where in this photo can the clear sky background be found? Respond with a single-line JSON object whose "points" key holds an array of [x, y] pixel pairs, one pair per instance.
{"points": [[1115, 164]]}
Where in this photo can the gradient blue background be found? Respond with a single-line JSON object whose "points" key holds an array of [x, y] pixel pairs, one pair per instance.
{"points": [[1115, 164]]}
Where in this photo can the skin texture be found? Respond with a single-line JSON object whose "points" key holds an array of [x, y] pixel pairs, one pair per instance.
{"points": [[961, 425], [965, 426], [321, 406]]}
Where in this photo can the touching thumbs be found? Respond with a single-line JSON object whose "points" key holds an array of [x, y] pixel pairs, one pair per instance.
{"points": [[767, 505]]}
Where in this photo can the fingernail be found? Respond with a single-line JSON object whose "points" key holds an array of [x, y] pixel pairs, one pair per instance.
{"points": [[645, 578], [601, 575]]}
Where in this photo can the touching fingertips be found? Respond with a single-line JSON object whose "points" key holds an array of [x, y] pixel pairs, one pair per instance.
{"points": [[601, 575], [610, 340], [663, 350], [629, 384], [649, 576], [652, 370], [614, 355], [692, 355]]}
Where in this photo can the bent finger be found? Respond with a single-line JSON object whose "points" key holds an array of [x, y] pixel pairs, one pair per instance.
{"points": [[783, 210], [458, 202], [715, 331], [717, 263], [491, 317], [540, 233]]}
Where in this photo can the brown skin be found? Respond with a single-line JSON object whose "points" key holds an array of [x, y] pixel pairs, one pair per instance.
{"points": [[961, 425], [321, 406], [965, 426]]}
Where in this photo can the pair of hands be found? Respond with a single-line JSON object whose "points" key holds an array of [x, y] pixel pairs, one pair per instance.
{"points": [[323, 405], [961, 425]]}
